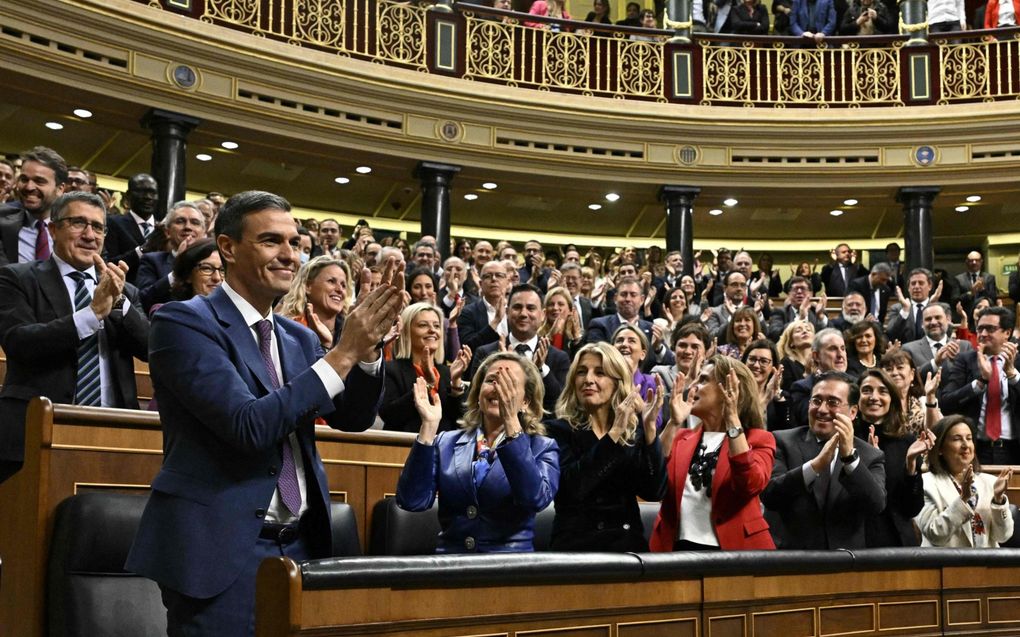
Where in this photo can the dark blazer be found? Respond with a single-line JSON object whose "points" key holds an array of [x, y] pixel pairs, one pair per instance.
{"points": [[832, 513], [223, 428], [542, 283], [122, 237], [902, 329], [737, 482], [862, 284], [786, 314], [600, 481], [800, 394], [153, 278], [754, 21], [601, 329], [824, 22], [498, 516], [958, 396], [557, 360], [905, 495], [967, 298], [588, 312], [10, 227], [1014, 286], [830, 275], [473, 326], [38, 335], [397, 410]]}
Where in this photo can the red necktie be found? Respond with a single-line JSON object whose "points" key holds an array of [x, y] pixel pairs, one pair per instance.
{"points": [[42, 242], [993, 408]]}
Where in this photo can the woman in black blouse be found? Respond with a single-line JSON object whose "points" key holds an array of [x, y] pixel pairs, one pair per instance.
{"points": [[609, 455]]}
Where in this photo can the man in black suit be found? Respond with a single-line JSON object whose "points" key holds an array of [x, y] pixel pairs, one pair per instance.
{"points": [[875, 289], [524, 316], [126, 233], [984, 385], [936, 350], [906, 316], [70, 326], [897, 276], [825, 482], [24, 234], [184, 225], [836, 276], [975, 284], [484, 321]]}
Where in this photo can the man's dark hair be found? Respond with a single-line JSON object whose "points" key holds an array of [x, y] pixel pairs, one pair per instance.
{"points": [[683, 330], [230, 221], [853, 392], [647, 12], [525, 287], [1007, 320], [794, 280], [61, 204], [729, 275], [325, 221], [49, 158], [925, 271], [136, 179], [303, 231]]}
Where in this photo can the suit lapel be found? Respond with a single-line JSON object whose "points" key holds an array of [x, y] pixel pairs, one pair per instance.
{"points": [[240, 335], [288, 348], [683, 450], [820, 487], [53, 288]]}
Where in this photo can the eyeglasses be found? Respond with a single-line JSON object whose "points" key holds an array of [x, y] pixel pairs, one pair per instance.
{"points": [[78, 224], [986, 328], [208, 270], [493, 275], [754, 360], [77, 181], [831, 403]]}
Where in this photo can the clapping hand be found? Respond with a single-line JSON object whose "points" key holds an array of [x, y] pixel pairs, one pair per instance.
{"points": [[509, 401], [924, 443], [1001, 484], [459, 366], [650, 408], [430, 410]]}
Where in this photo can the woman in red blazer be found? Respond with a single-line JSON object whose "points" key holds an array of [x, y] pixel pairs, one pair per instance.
{"points": [[716, 471]]}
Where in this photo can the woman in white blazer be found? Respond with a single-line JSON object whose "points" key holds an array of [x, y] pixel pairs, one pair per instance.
{"points": [[962, 506]]}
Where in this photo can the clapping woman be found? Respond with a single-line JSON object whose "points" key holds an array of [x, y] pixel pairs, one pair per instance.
{"points": [[718, 470], [492, 475]]}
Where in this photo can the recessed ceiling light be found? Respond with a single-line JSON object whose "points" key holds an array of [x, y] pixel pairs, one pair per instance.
{"points": [[849, 202], [229, 145], [83, 113], [962, 208], [836, 213], [490, 185], [203, 157], [715, 212], [471, 196], [974, 198], [54, 125], [594, 206], [342, 180], [730, 202], [363, 170], [612, 196]]}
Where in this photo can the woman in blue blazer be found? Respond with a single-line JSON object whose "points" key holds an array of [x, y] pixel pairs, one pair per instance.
{"points": [[492, 475]]}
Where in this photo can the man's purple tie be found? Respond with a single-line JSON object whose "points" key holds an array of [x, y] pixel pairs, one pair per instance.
{"points": [[287, 483], [42, 241]]}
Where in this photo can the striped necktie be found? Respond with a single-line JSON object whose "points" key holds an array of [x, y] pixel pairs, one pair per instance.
{"points": [[88, 388]]}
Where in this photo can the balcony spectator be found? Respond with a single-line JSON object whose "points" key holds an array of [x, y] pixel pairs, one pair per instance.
{"points": [[782, 9], [749, 17], [549, 9], [1001, 13], [647, 22], [867, 17], [599, 12], [633, 18]]}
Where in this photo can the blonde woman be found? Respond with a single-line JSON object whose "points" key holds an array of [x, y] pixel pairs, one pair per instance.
{"points": [[795, 351], [609, 454], [319, 298]]}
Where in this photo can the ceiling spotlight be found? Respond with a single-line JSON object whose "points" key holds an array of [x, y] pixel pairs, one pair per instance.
{"points": [[730, 202], [471, 196], [342, 180], [229, 145], [612, 196], [203, 157], [715, 212], [974, 198], [363, 170], [594, 206], [849, 202], [83, 113], [489, 185], [836, 213], [962, 208], [54, 125]]}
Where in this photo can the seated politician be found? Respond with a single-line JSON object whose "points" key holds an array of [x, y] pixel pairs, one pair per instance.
{"points": [[319, 298], [495, 473]]}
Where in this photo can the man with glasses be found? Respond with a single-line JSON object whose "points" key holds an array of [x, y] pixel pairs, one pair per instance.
{"points": [[828, 353], [184, 225], [129, 231], [24, 234], [825, 482], [798, 306], [984, 385], [70, 325], [484, 321]]}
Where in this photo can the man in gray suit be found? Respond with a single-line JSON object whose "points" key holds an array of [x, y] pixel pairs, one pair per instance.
{"points": [[975, 284], [935, 349], [825, 482]]}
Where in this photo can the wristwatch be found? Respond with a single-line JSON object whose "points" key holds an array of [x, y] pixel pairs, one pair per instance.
{"points": [[119, 302], [851, 458], [734, 432]]}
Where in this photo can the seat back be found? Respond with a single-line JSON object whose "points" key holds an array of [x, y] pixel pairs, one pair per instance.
{"points": [[399, 532], [344, 527], [89, 591], [649, 511]]}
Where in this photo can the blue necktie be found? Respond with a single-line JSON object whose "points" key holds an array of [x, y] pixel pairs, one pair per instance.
{"points": [[287, 482], [88, 388]]}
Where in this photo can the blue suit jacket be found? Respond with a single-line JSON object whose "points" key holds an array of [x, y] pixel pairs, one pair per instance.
{"points": [[824, 22], [473, 325], [602, 328], [152, 282], [500, 515], [222, 433]]}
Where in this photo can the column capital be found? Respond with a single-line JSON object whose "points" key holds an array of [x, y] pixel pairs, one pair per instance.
{"points": [[678, 193], [444, 173], [909, 194], [164, 122]]}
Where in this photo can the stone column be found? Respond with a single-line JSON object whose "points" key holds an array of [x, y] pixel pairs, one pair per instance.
{"points": [[677, 18], [679, 202], [914, 14], [917, 231], [169, 148], [435, 201]]}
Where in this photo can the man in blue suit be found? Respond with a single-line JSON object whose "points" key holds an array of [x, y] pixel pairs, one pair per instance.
{"points": [[813, 19], [184, 224], [630, 298], [239, 389]]}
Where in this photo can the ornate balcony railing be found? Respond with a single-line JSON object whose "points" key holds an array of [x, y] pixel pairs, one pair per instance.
{"points": [[489, 45]]}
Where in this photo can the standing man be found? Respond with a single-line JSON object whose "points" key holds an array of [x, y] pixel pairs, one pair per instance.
{"points": [[906, 318], [975, 284], [825, 482], [484, 321], [874, 287], [127, 233], [936, 350], [70, 326], [24, 236], [185, 224], [837, 275], [828, 354], [239, 390]]}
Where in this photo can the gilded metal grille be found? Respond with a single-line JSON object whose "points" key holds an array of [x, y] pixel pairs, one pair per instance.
{"points": [[319, 22], [846, 76], [983, 70]]}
